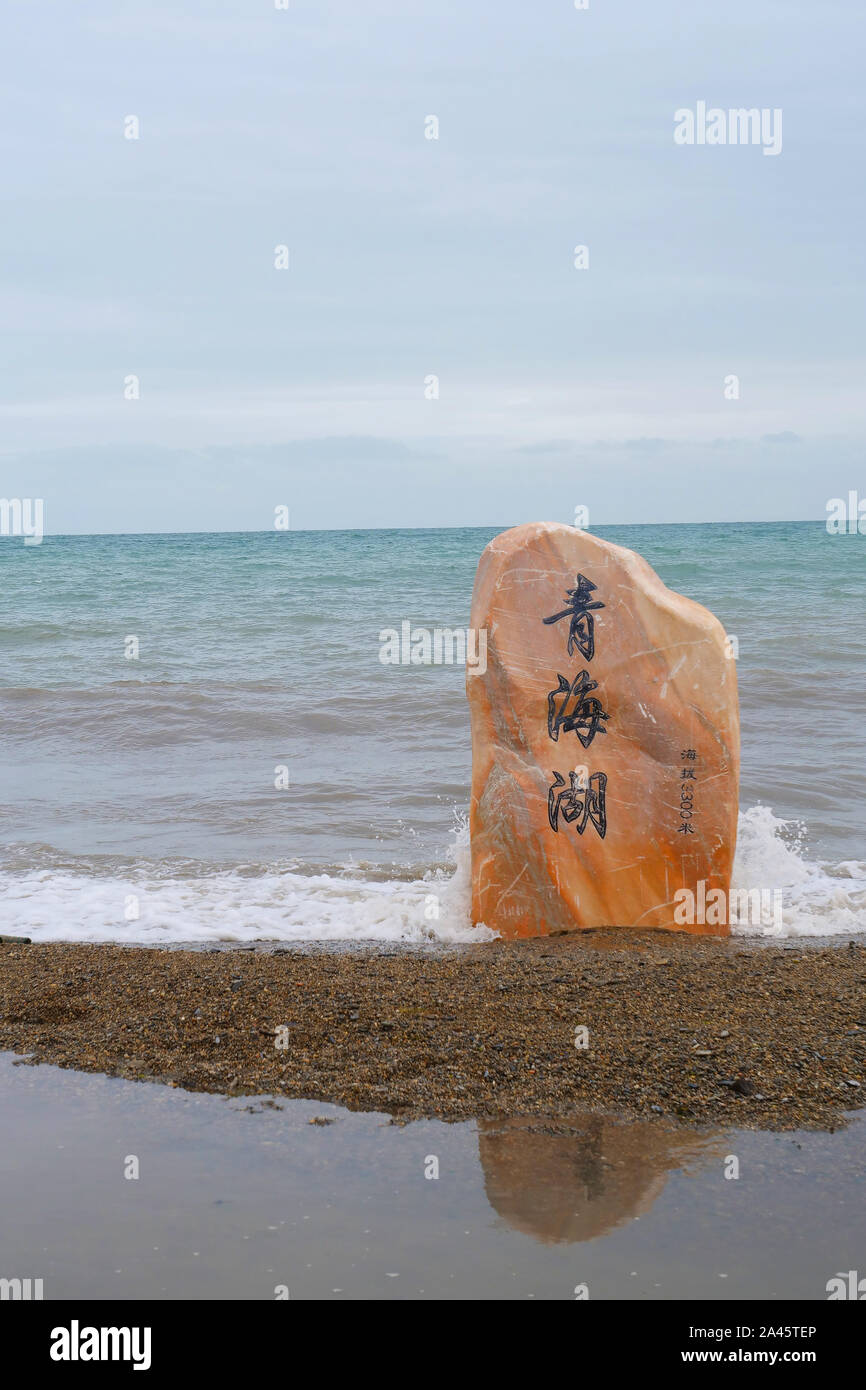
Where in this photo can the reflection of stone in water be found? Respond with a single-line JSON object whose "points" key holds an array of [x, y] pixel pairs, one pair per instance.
{"points": [[565, 1181]]}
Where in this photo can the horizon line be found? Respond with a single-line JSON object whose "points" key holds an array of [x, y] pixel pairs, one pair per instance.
{"points": [[345, 530]]}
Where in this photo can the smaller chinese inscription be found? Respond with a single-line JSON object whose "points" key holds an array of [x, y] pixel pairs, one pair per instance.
{"points": [[687, 793]]}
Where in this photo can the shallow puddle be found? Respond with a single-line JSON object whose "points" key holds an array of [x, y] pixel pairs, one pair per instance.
{"points": [[242, 1198]]}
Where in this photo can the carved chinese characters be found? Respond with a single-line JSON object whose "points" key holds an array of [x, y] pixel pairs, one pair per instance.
{"points": [[600, 686]]}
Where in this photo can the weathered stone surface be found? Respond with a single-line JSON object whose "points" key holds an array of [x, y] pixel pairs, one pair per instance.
{"points": [[566, 835]]}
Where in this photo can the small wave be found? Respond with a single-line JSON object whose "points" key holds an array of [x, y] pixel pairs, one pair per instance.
{"points": [[73, 899], [234, 906], [816, 899]]}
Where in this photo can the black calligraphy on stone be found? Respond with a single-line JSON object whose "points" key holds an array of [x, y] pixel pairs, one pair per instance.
{"points": [[571, 709], [578, 803], [687, 796], [581, 629]]}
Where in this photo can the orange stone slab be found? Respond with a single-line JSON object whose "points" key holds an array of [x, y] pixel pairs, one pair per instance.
{"points": [[605, 742]]}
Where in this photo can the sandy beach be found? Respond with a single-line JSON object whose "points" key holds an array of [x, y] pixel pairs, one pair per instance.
{"points": [[697, 1032]]}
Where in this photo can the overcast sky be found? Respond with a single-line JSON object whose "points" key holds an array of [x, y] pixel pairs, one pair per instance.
{"points": [[412, 257]]}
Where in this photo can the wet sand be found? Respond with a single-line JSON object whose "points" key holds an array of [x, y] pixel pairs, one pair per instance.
{"points": [[693, 1031], [241, 1198]]}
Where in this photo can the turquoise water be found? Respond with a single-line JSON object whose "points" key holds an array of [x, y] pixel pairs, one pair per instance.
{"points": [[153, 778]]}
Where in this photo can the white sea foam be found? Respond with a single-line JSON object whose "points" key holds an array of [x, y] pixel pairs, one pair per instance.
{"points": [[818, 899], [57, 904], [232, 906]]}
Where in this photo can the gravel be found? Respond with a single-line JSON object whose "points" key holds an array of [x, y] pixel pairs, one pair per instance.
{"points": [[697, 1030]]}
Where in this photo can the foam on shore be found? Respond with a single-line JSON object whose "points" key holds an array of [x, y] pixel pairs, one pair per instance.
{"points": [[76, 900]]}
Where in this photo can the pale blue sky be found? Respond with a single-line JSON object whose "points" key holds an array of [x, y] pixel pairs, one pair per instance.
{"points": [[412, 257]]}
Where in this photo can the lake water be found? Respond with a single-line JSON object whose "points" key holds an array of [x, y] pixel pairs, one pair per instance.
{"points": [[154, 778]]}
